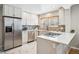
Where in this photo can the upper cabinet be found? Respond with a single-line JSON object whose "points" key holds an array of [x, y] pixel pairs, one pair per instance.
{"points": [[29, 19], [17, 12], [9, 10], [5, 10], [61, 16], [56, 17], [34, 19]]}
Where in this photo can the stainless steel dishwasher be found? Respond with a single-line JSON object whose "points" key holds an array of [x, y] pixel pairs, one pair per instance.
{"points": [[31, 36]]}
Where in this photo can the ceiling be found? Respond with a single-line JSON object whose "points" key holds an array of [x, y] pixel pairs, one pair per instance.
{"points": [[41, 8]]}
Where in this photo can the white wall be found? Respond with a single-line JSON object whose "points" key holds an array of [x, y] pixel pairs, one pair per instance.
{"points": [[75, 17], [75, 24]]}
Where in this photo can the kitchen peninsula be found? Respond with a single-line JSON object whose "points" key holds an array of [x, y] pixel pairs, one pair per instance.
{"points": [[54, 42]]}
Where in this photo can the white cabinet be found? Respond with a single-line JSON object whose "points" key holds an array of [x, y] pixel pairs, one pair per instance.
{"points": [[24, 18], [50, 47], [67, 20], [17, 12], [5, 10], [32, 19], [61, 16], [29, 19], [9, 10], [24, 37]]}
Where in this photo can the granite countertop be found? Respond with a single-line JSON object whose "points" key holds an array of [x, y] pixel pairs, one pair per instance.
{"points": [[64, 38]]}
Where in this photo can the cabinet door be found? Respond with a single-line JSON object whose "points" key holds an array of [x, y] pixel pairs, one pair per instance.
{"points": [[8, 10], [5, 10], [17, 12], [24, 36], [24, 18], [61, 16], [34, 20], [31, 19], [28, 19]]}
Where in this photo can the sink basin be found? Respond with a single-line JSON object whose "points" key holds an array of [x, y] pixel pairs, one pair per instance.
{"points": [[53, 35]]}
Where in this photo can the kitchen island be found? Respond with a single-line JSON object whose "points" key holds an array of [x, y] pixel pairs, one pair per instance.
{"points": [[54, 42]]}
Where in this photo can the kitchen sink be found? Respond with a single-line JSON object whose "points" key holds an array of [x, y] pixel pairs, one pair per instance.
{"points": [[53, 35]]}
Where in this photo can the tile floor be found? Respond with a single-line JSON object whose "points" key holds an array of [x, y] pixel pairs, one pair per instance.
{"points": [[29, 48]]}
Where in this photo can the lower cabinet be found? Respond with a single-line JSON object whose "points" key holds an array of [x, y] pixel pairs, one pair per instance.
{"points": [[49, 47], [24, 37]]}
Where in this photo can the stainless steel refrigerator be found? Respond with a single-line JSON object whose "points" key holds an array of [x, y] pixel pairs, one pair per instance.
{"points": [[12, 33]]}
